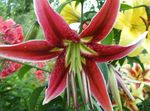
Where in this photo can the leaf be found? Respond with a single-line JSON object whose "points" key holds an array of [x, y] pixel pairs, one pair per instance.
{"points": [[125, 7], [34, 98], [33, 31], [144, 105], [104, 69], [131, 60], [109, 39], [23, 70], [121, 61], [148, 11], [117, 34], [89, 15], [57, 104]]}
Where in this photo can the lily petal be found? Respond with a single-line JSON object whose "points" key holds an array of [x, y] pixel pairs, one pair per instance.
{"points": [[103, 22], [55, 28], [28, 51], [97, 84], [107, 53], [58, 79]]}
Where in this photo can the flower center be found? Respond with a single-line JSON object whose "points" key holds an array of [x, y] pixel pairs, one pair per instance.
{"points": [[74, 58]]}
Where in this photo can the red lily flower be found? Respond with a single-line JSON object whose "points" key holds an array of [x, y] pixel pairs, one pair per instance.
{"points": [[74, 54]]}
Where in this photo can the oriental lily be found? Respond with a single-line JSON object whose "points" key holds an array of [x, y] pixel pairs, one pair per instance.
{"points": [[76, 52]]}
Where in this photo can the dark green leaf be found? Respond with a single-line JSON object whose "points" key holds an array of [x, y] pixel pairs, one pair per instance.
{"points": [[132, 60], [34, 98], [23, 70], [125, 7], [121, 61], [148, 11], [109, 39], [56, 104], [105, 70], [33, 31], [117, 34]]}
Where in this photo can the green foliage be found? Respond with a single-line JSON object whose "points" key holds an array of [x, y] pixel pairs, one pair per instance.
{"points": [[109, 39], [132, 60], [14, 94], [145, 105], [23, 70], [33, 31], [105, 70], [34, 98], [125, 7]]}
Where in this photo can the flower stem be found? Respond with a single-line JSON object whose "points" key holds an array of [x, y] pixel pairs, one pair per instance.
{"points": [[81, 19], [30, 66]]}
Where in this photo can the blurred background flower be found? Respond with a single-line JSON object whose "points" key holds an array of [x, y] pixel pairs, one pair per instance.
{"points": [[131, 22]]}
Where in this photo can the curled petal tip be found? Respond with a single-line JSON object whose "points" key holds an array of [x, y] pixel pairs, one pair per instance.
{"points": [[140, 39]]}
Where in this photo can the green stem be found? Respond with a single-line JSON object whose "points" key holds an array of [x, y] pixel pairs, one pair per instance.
{"points": [[30, 66], [139, 6], [81, 19]]}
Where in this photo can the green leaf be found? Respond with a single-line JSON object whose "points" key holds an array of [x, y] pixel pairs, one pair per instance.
{"points": [[132, 60], [34, 98], [23, 70], [148, 11], [33, 31], [105, 70], [117, 34], [125, 7], [121, 61], [57, 104], [109, 39], [88, 15]]}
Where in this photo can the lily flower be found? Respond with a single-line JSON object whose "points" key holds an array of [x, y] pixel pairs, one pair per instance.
{"points": [[137, 75], [137, 82], [71, 12], [75, 52], [131, 22]]}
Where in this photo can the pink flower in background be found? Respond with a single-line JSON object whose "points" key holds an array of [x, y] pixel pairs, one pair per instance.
{"points": [[39, 74], [10, 33], [9, 67]]}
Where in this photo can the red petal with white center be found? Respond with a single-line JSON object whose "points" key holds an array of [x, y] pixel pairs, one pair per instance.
{"points": [[55, 28], [107, 53], [97, 84], [28, 51], [57, 82], [102, 23]]}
